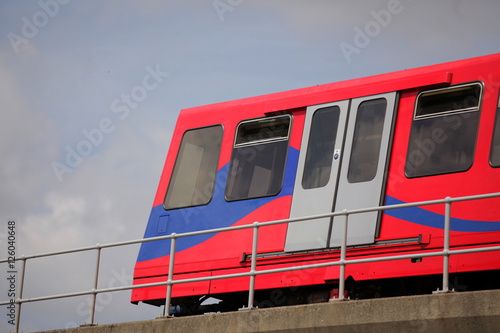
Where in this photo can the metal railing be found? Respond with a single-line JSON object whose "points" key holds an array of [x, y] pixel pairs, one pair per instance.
{"points": [[253, 273]]}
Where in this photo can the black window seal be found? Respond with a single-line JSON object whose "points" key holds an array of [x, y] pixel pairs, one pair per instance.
{"points": [[235, 146], [353, 137], [441, 114], [177, 156], [309, 142]]}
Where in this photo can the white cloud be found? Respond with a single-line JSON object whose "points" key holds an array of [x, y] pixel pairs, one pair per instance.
{"points": [[27, 141], [61, 228]]}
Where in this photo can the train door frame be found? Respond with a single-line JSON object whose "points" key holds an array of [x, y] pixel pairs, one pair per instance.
{"points": [[315, 234], [339, 193]]}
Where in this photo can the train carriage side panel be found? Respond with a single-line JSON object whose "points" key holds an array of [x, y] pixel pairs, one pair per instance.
{"points": [[466, 130], [463, 133]]}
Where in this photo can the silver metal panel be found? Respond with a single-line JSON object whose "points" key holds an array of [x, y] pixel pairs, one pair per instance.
{"points": [[314, 234], [362, 227]]}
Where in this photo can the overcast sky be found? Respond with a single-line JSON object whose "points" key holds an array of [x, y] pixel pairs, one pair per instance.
{"points": [[90, 92]]}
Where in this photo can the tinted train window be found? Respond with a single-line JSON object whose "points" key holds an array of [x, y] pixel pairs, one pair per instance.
{"points": [[444, 130], [321, 146], [495, 145], [366, 141], [193, 177], [258, 160]]}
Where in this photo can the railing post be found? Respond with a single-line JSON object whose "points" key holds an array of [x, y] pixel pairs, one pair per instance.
{"points": [[251, 289], [96, 280], [446, 249], [173, 241], [342, 257], [21, 286]]}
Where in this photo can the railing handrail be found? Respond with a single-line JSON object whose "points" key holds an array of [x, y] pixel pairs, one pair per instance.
{"points": [[446, 252], [261, 224]]}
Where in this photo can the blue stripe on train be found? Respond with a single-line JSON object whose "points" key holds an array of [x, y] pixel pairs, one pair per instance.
{"points": [[424, 217]]}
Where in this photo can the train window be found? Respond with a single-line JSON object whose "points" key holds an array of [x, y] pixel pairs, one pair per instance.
{"points": [[258, 160], [193, 178], [444, 130], [319, 157], [366, 141], [495, 146]]}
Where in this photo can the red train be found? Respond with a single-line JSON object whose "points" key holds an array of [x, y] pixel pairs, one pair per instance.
{"points": [[403, 137]]}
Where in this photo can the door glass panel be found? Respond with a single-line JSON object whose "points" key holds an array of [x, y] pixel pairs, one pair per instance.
{"points": [[321, 147], [366, 141]]}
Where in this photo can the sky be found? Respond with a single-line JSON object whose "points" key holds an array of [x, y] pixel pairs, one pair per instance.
{"points": [[90, 92]]}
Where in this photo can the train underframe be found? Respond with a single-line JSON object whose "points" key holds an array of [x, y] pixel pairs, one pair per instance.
{"points": [[354, 290]]}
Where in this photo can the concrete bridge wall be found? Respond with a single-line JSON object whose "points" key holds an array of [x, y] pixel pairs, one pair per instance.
{"points": [[476, 312]]}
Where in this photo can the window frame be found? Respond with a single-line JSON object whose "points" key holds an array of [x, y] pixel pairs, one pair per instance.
{"points": [[258, 142], [261, 141], [451, 112], [221, 127], [445, 114]]}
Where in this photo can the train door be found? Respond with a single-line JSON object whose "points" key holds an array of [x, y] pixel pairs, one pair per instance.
{"points": [[342, 165], [317, 173]]}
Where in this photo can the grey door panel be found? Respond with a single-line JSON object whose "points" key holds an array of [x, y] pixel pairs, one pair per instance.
{"points": [[314, 193], [362, 173]]}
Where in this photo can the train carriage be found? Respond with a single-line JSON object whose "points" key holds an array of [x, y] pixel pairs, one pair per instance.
{"points": [[404, 137]]}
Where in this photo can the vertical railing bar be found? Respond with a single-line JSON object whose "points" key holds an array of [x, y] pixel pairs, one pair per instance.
{"points": [[96, 281], [168, 299], [446, 249], [21, 286], [251, 289], [343, 256]]}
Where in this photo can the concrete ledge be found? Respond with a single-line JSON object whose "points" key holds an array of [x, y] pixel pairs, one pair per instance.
{"points": [[454, 312]]}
